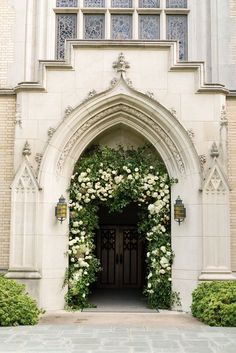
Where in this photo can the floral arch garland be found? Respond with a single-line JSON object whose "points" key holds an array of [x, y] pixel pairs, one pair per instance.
{"points": [[118, 177]]}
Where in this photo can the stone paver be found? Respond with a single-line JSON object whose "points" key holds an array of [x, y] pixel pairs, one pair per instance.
{"points": [[117, 333]]}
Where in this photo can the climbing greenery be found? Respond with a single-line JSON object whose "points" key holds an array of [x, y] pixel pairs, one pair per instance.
{"points": [[117, 177]]}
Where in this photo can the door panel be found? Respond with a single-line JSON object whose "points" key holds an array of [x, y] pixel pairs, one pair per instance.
{"points": [[119, 250], [107, 250]]}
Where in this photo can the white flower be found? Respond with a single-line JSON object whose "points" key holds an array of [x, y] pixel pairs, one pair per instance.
{"points": [[83, 295], [118, 179], [136, 169], [75, 224], [149, 285], [162, 272], [163, 248], [170, 279], [130, 177]]}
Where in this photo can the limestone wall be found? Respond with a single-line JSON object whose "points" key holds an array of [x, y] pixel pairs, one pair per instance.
{"points": [[7, 16], [7, 114], [231, 109]]}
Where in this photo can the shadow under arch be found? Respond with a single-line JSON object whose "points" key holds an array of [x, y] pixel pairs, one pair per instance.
{"points": [[137, 111]]}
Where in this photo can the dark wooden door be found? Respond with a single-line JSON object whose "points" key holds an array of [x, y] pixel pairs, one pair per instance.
{"points": [[119, 250]]}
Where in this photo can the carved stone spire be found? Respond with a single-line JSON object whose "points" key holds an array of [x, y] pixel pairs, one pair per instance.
{"points": [[121, 65], [26, 149], [214, 151]]}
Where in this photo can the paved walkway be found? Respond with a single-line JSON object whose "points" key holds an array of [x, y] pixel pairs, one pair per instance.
{"points": [[118, 333]]}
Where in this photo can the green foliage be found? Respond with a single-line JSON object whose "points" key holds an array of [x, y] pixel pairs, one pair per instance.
{"points": [[119, 177], [214, 303], [16, 306]]}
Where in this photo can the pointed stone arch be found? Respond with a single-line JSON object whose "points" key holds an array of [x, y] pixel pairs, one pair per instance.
{"points": [[24, 205], [216, 225], [121, 104]]}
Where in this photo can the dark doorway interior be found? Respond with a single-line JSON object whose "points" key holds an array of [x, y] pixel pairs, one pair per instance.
{"points": [[120, 249]]}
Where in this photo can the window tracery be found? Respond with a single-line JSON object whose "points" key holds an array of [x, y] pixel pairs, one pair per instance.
{"points": [[121, 3], [149, 3], [67, 3], [121, 26], [149, 27], [94, 26], [93, 3], [177, 30], [146, 24], [176, 3], [66, 29]]}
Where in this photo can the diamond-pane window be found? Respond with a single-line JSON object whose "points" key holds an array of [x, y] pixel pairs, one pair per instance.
{"points": [[176, 3], [94, 26], [67, 3], [121, 26], [94, 3], [177, 27], [149, 27], [66, 29], [121, 3], [149, 3]]}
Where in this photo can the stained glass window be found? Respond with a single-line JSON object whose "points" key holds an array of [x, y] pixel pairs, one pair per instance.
{"points": [[121, 26], [121, 3], [176, 3], [67, 3], [94, 26], [94, 3], [149, 27], [66, 29], [177, 26], [149, 3]]}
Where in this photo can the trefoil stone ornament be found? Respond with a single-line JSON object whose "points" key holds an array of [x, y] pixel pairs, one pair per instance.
{"points": [[26, 149], [121, 65], [202, 159], [191, 134], [114, 81], [68, 110], [150, 94], [51, 131], [214, 151], [90, 95]]}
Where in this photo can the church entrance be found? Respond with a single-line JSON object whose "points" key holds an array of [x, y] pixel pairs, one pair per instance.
{"points": [[120, 249]]}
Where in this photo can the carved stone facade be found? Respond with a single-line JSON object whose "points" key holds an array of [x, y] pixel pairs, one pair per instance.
{"points": [[115, 92]]}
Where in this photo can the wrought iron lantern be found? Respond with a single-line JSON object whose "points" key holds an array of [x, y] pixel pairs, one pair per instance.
{"points": [[179, 211], [61, 209]]}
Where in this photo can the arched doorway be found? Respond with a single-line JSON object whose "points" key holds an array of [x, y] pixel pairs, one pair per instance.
{"points": [[121, 249]]}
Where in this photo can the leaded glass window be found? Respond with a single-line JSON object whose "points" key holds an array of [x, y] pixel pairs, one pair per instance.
{"points": [[94, 3], [149, 27], [67, 3], [121, 26], [94, 26], [121, 3], [176, 3], [149, 3], [66, 29], [177, 26]]}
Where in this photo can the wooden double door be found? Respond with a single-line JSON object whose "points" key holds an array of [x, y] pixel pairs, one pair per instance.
{"points": [[119, 249]]}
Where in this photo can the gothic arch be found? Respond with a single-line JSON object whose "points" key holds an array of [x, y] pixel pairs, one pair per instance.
{"points": [[121, 105]]}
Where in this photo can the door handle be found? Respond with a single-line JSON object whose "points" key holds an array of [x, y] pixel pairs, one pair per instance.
{"points": [[117, 259], [121, 259]]}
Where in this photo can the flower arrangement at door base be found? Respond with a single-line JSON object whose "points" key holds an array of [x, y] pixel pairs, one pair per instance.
{"points": [[118, 177]]}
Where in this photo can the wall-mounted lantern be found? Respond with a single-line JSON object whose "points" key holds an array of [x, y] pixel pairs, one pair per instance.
{"points": [[179, 211], [61, 209]]}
